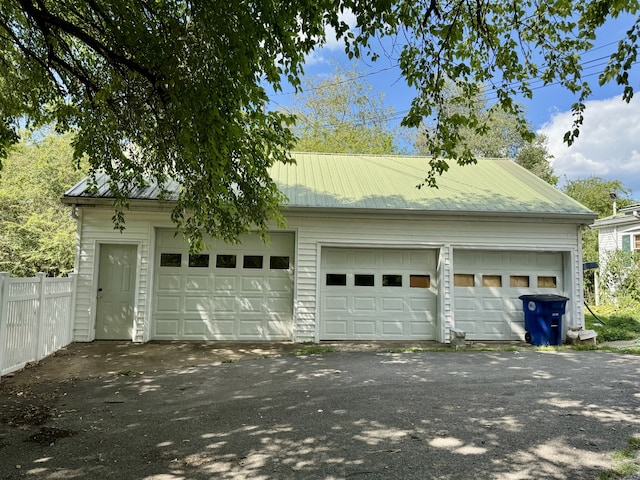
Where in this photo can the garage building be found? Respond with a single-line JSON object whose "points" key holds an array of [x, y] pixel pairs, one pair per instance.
{"points": [[365, 255]]}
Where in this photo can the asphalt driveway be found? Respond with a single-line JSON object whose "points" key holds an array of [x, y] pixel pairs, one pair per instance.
{"points": [[344, 415]]}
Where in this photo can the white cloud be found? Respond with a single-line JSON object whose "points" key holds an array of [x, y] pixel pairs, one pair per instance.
{"points": [[332, 43], [608, 145]]}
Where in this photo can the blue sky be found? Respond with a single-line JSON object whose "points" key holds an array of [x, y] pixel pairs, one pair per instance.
{"points": [[609, 142]]}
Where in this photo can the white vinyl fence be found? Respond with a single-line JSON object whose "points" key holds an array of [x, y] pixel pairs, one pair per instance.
{"points": [[36, 318]]}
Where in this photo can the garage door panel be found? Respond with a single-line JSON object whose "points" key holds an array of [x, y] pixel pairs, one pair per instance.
{"points": [[280, 305], [224, 283], [166, 327], [223, 327], [335, 257], [422, 304], [363, 258], [364, 304], [364, 327], [336, 304], [197, 326], [491, 310], [223, 304], [196, 304], [395, 328], [168, 282], [366, 308], [196, 283], [250, 327], [248, 304], [214, 297], [392, 304], [168, 304]]}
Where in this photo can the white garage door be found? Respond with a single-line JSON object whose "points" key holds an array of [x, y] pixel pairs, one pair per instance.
{"points": [[228, 292], [376, 294], [487, 286]]}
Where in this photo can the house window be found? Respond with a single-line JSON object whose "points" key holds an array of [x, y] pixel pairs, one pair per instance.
{"points": [[279, 263], [336, 279], [492, 280], [519, 281], [170, 259], [464, 280], [636, 242], [391, 280], [199, 260], [225, 261], [419, 281], [547, 282], [252, 261], [360, 280]]}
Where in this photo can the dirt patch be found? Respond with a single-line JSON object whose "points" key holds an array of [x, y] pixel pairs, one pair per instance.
{"points": [[49, 435]]}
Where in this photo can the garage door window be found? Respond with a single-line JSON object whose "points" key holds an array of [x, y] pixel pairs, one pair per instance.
{"points": [[170, 259], [199, 260], [547, 282], [464, 280], [279, 263], [420, 281], [363, 280], [492, 281], [336, 279], [519, 281], [392, 280], [252, 261], [225, 261]]}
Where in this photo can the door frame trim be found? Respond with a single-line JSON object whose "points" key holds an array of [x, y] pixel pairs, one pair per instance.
{"points": [[94, 284]]}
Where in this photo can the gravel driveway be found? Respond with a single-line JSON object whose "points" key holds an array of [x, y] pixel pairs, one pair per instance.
{"points": [[343, 415]]}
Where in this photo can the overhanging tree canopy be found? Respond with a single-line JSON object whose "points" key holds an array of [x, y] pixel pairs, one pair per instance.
{"points": [[177, 88]]}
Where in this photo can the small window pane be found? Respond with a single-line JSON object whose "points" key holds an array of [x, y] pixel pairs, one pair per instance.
{"points": [[547, 282], [519, 281], [336, 279], [492, 280], [170, 259], [392, 280], [279, 263], [225, 261], [464, 280], [363, 280], [420, 281], [200, 260], [252, 261], [636, 242]]}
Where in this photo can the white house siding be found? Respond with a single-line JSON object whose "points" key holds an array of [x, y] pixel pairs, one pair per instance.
{"points": [[314, 233]]}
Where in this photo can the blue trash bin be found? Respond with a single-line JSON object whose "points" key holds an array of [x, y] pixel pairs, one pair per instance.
{"points": [[543, 318]]}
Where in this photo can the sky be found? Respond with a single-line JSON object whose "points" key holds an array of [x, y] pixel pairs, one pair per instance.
{"points": [[609, 141]]}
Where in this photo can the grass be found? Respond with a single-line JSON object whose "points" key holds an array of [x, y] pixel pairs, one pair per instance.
{"points": [[627, 459], [313, 349], [618, 323]]}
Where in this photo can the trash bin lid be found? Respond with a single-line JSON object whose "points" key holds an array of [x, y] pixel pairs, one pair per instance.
{"points": [[546, 297]]}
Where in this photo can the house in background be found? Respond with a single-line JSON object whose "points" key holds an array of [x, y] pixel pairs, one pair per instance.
{"points": [[620, 231], [365, 256]]}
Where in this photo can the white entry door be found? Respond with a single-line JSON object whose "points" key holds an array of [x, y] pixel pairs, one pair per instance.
{"points": [[116, 292]]}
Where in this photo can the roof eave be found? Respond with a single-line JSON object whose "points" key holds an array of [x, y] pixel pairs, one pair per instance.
{"points": [[578, 218]]}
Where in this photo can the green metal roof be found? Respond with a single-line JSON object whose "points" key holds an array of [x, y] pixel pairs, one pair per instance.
{"points": [[389, 182]]}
